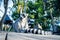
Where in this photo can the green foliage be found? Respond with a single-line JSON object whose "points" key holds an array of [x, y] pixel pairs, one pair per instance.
{"points": [[17, 4], [37, 6], [31, 16], [39, 11], [15, 15], [31, 5], [51, 6]]}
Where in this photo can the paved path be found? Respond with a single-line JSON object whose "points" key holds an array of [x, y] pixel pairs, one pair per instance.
{"points": [[28, 36], [2, 36]]}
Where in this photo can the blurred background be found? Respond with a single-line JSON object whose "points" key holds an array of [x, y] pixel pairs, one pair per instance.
{"points": [[30, 16]]}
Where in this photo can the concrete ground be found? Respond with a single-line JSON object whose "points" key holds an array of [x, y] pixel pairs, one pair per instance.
{"points": [[27, 36]]}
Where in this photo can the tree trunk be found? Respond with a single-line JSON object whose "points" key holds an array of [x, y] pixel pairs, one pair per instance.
{"points": [[5, 6], [52, 21]]}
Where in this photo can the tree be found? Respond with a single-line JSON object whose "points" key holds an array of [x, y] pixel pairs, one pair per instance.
{"points": [[18, 5], [36, 10], [5, 6], [53, 8]]}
